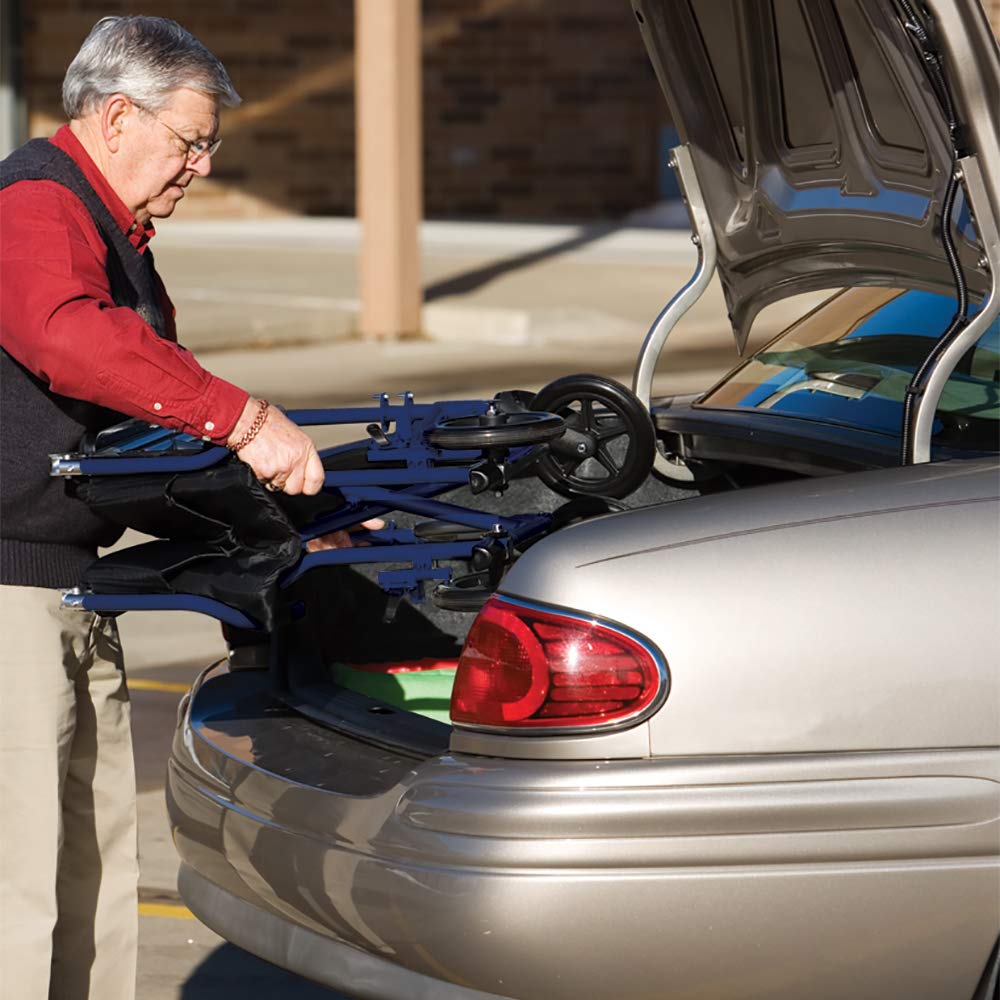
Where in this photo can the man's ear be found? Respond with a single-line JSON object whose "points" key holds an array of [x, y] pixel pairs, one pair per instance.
{"points": [[114, 115]]}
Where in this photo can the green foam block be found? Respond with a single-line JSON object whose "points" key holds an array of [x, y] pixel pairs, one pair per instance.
{"points": [[424, 692]]}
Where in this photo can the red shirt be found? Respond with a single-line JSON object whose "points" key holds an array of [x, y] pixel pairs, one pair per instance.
{"points": [[57, 317]]}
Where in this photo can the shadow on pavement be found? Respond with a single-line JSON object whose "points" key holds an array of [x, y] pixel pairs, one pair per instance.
{"points": [[462, 284], [230, 969]]}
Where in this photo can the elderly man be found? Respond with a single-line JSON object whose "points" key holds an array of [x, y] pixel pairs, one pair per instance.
{"points": [[87, 332]]}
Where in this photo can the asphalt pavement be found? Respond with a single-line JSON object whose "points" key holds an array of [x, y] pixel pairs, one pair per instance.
{"points": [[271, 305]]}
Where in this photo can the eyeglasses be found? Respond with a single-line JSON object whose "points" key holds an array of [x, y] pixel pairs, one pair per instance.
{"points": [[197, 149]]}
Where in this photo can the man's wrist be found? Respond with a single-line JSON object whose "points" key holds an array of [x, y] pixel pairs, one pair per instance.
{"points": [[244, 422], [256, 426]]}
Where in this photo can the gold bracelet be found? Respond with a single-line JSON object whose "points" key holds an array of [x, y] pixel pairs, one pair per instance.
{"points": [[254, 429]]}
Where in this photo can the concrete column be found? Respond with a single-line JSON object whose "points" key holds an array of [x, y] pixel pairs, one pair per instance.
{"points": [[389, 169]]}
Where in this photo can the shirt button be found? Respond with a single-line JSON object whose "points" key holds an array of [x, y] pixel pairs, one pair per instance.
{"points": [[209, 426], [157, 406]]}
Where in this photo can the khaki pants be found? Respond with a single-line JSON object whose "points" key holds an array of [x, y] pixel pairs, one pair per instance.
{"points": [[68, 850]]}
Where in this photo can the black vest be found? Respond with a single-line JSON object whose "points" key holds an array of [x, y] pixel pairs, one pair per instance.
{"points": [[46, 536]]}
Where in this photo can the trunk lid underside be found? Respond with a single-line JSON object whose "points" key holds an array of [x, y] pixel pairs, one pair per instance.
{"points": [[820, 145]]}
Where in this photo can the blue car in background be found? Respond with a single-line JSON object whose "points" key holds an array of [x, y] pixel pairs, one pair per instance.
{"points": [[827, 394]]}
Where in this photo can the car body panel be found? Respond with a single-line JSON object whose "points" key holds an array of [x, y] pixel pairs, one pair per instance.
{"points": [[464, 867], [852, 797], [855, 660], [820, 146], [731, 439]]}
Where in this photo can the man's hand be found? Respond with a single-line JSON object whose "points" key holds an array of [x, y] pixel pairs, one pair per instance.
{"points": [[342, 539], [281, 455]]}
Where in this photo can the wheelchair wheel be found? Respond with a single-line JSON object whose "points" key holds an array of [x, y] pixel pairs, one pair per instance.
{"points": [[495, 429], [609, 444]]}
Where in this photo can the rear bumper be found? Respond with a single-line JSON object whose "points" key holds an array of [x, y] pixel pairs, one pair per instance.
{"points": [[315, 956], [388, 876]]}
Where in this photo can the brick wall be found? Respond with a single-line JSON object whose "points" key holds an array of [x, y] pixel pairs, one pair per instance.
{"points": [[289, 148], [548, 107], [532, 108]]}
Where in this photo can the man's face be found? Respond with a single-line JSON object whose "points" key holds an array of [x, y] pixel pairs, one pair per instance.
{"points": [[157, 166]]}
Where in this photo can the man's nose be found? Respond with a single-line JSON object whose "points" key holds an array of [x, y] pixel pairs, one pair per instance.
{"points": [[202, 167]]}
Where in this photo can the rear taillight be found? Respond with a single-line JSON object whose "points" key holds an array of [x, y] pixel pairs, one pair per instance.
{"points": [[524, 667]]}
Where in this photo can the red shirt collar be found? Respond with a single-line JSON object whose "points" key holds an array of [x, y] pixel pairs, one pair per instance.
{"points": [[138, 235]]}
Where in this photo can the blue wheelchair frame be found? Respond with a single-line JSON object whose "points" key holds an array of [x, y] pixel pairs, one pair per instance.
{"points": [[368, 493]]}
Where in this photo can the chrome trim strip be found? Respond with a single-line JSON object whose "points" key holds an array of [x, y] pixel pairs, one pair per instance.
{"points": [[629, 721], [663, 325]]}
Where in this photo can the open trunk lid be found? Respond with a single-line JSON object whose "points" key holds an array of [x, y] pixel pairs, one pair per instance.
{"points": [[821, 147]]}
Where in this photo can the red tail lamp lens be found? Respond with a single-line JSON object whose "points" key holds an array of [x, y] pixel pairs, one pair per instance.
{"points": [[524, 667]]}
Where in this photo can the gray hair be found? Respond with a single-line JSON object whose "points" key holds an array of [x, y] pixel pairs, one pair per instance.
{"points": [[145, 58]]}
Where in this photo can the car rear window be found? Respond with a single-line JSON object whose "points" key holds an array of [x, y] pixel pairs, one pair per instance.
{"points": [[849, 362]]}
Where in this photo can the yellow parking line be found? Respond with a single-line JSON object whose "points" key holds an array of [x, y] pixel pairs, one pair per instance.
{"points": [[177, 910], [144, 685]]}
